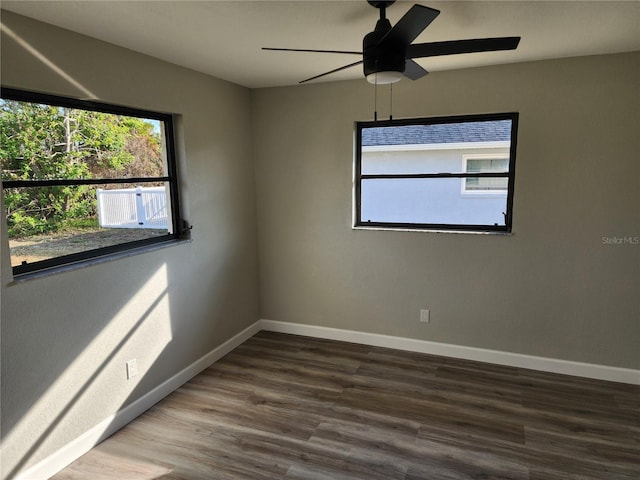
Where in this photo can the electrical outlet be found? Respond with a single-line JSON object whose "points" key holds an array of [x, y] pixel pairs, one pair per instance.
{"points": [[132, 369], [424, 315]]}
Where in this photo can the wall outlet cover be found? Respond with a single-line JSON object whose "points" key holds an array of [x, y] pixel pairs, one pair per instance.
{"points": [[132, 369]]}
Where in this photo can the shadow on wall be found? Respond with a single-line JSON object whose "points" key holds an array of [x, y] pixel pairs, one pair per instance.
{"points": [[72, 384]]}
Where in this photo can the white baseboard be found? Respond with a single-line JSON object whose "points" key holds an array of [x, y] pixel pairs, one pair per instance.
{"points": [[578, 369], [85, 442]]}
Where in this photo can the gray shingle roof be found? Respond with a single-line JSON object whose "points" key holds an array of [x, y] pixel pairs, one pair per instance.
{"points": [[489, 131]]}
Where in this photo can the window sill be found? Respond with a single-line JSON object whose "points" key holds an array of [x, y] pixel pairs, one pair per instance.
{"points": [[423, 230], [23, 277]]}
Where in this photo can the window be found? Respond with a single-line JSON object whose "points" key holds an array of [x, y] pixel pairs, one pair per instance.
{"points": [[445, 173], [485, 164], [83, 179]]}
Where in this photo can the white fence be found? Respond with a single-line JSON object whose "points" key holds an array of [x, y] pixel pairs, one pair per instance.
{"points": [[133, 208]]}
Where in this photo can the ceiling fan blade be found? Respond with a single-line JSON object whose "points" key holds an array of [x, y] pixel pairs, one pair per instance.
{"points": [[312, 51], [332, 71], [412, 24], [453, 47], [413, 71]]}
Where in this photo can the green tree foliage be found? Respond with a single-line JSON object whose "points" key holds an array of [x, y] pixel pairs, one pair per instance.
{"points": [[43, 142]]}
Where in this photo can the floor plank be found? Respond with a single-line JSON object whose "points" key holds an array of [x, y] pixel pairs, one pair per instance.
{"points": [[286, 407]]}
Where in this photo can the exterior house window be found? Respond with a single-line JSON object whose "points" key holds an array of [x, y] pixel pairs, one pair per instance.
{"points": [[485, 164], [82, 180], [444, 173]]}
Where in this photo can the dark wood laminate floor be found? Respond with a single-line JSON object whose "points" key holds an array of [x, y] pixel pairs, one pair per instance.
{"points": [[290, 407]]}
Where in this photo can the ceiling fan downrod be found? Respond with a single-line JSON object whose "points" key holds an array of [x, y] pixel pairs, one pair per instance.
{"points": [[381, 5]]}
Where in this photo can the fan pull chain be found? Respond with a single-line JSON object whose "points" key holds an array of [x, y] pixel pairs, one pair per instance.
{"points": [[390, 102], [375, 98]]}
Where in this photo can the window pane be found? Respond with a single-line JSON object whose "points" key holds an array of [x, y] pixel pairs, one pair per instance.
{"points": [[497, 184], [428, 200], [45, 142], [49, 222], [487, 165], [436, 148], [381, 161]]}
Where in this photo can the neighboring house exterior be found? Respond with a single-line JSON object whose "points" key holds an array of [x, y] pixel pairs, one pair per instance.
{"points": [[442, 148]]}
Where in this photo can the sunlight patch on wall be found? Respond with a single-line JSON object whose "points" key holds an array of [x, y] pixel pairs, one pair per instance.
{"points": [[141, 329], [46, 61]]}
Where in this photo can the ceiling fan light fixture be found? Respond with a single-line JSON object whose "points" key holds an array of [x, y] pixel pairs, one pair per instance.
{"points": [[384, 78]]}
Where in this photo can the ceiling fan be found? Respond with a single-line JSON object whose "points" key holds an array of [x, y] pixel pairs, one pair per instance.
{"points": [[388, 52]]}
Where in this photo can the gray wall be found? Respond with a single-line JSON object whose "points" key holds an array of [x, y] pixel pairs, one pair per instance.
{"points": [[551, 289], [66, 338]]}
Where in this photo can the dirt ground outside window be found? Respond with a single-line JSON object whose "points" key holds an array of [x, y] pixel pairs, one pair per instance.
{"points": [[42, 247]]}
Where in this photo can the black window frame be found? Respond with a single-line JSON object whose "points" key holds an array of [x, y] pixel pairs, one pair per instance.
{"points": [[178, 230], [472, 228]]}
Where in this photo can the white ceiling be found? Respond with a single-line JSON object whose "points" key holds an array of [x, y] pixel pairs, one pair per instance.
{"points": [[224, 38]]}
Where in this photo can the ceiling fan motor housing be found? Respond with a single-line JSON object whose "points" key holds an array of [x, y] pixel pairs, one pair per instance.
{"points": [[382, 57]]}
